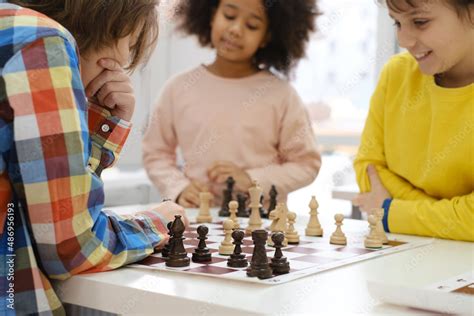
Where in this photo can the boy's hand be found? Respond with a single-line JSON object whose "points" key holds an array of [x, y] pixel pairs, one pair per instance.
{"points": [[113, 89], [375, 198], [221, 170], [190, 195]]}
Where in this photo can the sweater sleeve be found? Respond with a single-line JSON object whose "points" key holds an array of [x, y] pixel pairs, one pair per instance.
{"points": [[298, 161], [159, 149], [447, 218], [371, 150]]}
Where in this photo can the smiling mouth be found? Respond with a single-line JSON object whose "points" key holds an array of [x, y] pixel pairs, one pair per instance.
{"points": [[422, 56]]}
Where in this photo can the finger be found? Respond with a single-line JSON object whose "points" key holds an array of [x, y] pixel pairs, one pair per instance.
{"points": [[110, 64], [356, 201], [218, 171], [184, 202], [113, 86], [200, 187], [105, 76], [118, 98], [221, 178]]}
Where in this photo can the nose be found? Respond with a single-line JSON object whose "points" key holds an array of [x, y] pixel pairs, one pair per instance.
{"points": [[236, 29], [406, 38]]}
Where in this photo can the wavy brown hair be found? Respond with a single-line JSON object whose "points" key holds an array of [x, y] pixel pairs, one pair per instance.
{"points": [[96, 24], [462, 7], [291, 23]]}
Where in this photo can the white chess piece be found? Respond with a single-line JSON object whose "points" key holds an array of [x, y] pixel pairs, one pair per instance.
{"points": [[338, 237], [255, 221], [373, 240], [378, 213], [233, 205], [291, 233], [204, 215], [314, 227], [227, 247], [279, 222]]}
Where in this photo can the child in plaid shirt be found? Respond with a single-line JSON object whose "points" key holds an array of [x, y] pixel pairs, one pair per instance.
{"points": [[54, 143]]}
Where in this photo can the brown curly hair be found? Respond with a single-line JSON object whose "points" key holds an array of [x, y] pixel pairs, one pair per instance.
{"points": [[99, 24], [291, 23], [462, 6]]}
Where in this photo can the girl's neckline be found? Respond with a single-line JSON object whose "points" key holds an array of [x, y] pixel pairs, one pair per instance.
{"points": [[252, 76]]}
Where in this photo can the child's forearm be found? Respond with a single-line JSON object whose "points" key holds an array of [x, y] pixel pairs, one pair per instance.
{"points": [[447, 218]]}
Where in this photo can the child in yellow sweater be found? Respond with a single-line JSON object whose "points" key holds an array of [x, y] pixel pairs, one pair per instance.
{"points": [[416, 154]]}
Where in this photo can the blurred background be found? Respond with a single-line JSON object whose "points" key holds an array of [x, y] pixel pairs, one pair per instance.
{"points": [[354, 40]]}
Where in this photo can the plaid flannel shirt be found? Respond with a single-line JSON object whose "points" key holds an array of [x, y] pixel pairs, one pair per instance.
{"points": [[53, 145]]}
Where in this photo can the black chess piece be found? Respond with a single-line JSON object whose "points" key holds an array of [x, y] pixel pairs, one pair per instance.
{"points": [[279, 263], [201, 253], [259, 266], [178, 256], [237, 259], [241, 210], [273, 199], [227, 197], [262, 210], [166, 249]]}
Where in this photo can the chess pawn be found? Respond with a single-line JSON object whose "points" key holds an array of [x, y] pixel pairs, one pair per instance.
{"points": [[291, 233], [202, 253], [255, 221], [338, 237], [226, 247], [314, 227], [204, 215], [373, 240], [237, 258], [233, 205], [378, 213], [279, 263]]}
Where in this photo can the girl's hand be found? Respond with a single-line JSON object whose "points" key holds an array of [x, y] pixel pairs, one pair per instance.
{"points": [[221, 170], [113, 89], [190, 196], [375, 198]]}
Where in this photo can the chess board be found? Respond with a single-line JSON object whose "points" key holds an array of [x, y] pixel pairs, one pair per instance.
{"points": [[312, 255]]}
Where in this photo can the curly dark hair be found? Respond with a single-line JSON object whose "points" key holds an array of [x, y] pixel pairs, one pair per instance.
{"points": [[291, 23]]}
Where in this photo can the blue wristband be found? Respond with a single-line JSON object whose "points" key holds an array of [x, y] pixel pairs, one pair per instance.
{"points": [[386, 207]]}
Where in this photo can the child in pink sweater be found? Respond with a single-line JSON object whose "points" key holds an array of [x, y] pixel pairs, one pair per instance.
{"points": [[235, 117]]}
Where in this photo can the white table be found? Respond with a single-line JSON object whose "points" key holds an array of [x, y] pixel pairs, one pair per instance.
{"points": [[338, 291]]}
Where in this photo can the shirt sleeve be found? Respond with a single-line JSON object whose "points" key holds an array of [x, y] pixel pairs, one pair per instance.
{"points": [[371, 151], [159, 149], [447, 218], [108, 135], [298, 161], [64, 198]]}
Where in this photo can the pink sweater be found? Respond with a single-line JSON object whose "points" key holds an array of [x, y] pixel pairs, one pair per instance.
{"points": [[257, 122]]}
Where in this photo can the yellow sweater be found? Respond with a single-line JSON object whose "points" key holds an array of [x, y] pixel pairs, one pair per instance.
{"points": [[420, 138]]}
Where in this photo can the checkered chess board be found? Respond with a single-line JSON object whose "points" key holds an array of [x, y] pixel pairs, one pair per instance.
{"points": [[312, 255]]}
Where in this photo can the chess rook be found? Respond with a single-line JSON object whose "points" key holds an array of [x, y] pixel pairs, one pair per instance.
{"points": [[204, 215], [259, 266]]}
